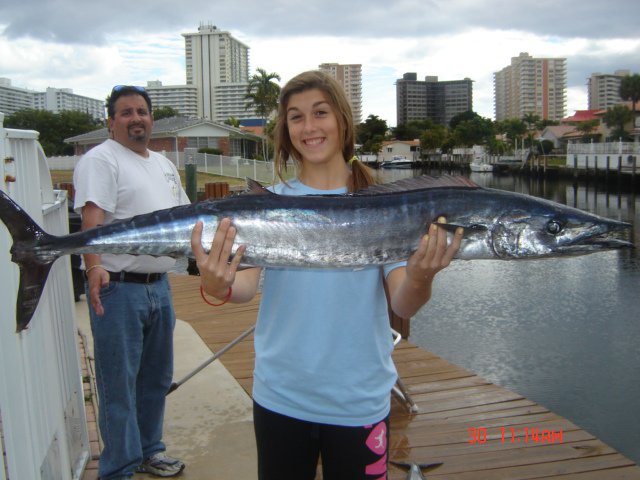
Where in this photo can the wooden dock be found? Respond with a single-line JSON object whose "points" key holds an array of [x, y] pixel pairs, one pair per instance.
{"points": [[476, 429]]}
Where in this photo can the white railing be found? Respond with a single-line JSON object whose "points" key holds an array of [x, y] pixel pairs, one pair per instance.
{"points": [[42, 417], [235, 167], [618, 156], [610, 148]]}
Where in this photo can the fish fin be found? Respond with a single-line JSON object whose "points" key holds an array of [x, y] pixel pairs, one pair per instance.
{"points": [[418, 183], [256, 188], [33, 269]]}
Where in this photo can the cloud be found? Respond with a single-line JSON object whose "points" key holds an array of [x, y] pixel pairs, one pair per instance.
{"points": [[90, 46], [78, 21]]}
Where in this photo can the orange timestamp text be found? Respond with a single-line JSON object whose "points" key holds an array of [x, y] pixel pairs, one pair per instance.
{"points": [[515, 435]]}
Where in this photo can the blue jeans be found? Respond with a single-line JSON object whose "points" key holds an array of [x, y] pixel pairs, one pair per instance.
{"points": [[133, 350]]}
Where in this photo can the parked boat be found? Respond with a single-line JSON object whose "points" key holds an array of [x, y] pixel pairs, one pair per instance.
{"points": [[480, 166], [480, 160], [397, 161]]}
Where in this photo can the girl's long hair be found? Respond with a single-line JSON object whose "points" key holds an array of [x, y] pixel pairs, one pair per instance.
{"points": [[361, 175]]}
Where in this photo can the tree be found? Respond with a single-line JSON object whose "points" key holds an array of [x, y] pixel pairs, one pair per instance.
{"points": [[233, 121], [588, 128], [532, 120], [461, 117], [165, 112], [513, 128], [616, 118], [412, 129], [473, 131], [371, 133], [262, 94], [53, 127], [630, 90], [433, 138]]}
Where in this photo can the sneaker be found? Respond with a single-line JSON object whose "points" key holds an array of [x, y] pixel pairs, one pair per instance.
{"points": [[161, 465]]}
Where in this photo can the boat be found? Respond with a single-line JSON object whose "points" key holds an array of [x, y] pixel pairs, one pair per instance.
{"points": [[480, 162], [480, 166], [397, 161]]}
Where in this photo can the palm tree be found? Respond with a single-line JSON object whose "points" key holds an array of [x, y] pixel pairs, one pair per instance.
{"points": [[532, 120], [262, 95], [630, 90]]}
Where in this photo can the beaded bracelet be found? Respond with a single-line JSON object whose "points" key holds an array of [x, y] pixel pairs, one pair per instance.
{"points": [[87, 270], [225, 300]]}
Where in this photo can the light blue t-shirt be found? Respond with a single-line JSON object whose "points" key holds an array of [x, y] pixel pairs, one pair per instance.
{"points": [[323, 341]]}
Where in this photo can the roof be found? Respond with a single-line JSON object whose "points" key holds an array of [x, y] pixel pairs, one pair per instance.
{"points": [[164, 127], [557, 130], [405, 142], [582, 116]]}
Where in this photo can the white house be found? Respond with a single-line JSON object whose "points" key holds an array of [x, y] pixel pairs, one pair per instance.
{"points": [[406, 148]]}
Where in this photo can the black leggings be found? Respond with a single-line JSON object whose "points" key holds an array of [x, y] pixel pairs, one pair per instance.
{"points": [[289, 449]]}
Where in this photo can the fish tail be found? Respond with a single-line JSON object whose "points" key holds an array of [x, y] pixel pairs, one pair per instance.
{"points": [[34, 267]]}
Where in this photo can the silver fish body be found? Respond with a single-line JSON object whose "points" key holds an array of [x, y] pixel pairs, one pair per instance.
{"points": [[379, 225]]}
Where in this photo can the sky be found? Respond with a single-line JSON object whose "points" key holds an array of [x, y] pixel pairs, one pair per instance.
{"points": [[91, 46]]}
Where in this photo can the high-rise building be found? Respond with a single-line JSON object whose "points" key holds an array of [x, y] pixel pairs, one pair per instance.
{"points": [[218, 65], [531, 85], [182, 98], [54, 100], [604, 89], [13, 98], [438, 101], [58, 99], [350, 77]]}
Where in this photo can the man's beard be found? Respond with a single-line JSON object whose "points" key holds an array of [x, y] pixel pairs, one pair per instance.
{"points": [[137, 137]]}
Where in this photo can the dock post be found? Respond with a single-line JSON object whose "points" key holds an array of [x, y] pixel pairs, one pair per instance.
{"points": [[191, 181]]}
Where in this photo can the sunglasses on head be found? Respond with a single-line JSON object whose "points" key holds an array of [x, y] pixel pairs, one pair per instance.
{"points": [[119, 88]]}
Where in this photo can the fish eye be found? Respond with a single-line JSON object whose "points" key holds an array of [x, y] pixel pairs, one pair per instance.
{"points": [[554, 227]]}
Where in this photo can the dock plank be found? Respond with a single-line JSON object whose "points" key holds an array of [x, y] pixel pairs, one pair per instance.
{"points": [[451, 400]]}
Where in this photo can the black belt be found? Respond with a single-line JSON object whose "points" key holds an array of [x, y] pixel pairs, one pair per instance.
{"points": [[134, 277]]}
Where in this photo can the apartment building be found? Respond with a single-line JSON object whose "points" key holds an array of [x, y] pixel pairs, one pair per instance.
{"points": [[182, 98], [350, 77], [58, 99], [54, 100], [531, 85], [438, 101], [217, 64], [604, 89], [13, 98]]}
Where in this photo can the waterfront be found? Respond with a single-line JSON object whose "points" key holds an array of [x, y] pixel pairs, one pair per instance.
{"points": [[563, 332]]}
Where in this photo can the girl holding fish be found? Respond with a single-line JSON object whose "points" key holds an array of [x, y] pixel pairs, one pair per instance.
{"points": [[323, 372]]}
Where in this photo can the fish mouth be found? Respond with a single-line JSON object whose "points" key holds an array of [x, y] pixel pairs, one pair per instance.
{"points": [[603, 241], [606, 242]]}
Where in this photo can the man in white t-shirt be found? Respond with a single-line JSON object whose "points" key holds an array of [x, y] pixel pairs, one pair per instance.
{"points": [[130, 304]]}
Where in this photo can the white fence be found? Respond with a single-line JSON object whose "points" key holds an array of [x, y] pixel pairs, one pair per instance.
{"points": [[615, 156], [236, 167], [42, 419], [612, 148]]}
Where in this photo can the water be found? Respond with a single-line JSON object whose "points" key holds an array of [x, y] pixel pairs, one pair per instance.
{"points": [[562, 332]]}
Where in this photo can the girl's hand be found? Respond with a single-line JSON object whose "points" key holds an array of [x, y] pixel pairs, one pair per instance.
{"points": [[433, 253], [217, 272]]}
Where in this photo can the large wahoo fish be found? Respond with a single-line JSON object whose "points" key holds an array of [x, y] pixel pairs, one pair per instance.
{"points": [[378, 225]]}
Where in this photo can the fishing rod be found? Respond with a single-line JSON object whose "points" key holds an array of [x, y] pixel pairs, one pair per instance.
{"points": [[233, 343]]}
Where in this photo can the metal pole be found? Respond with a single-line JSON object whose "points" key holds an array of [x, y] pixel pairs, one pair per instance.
{"points": [[217, 355], [191, 181]]}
